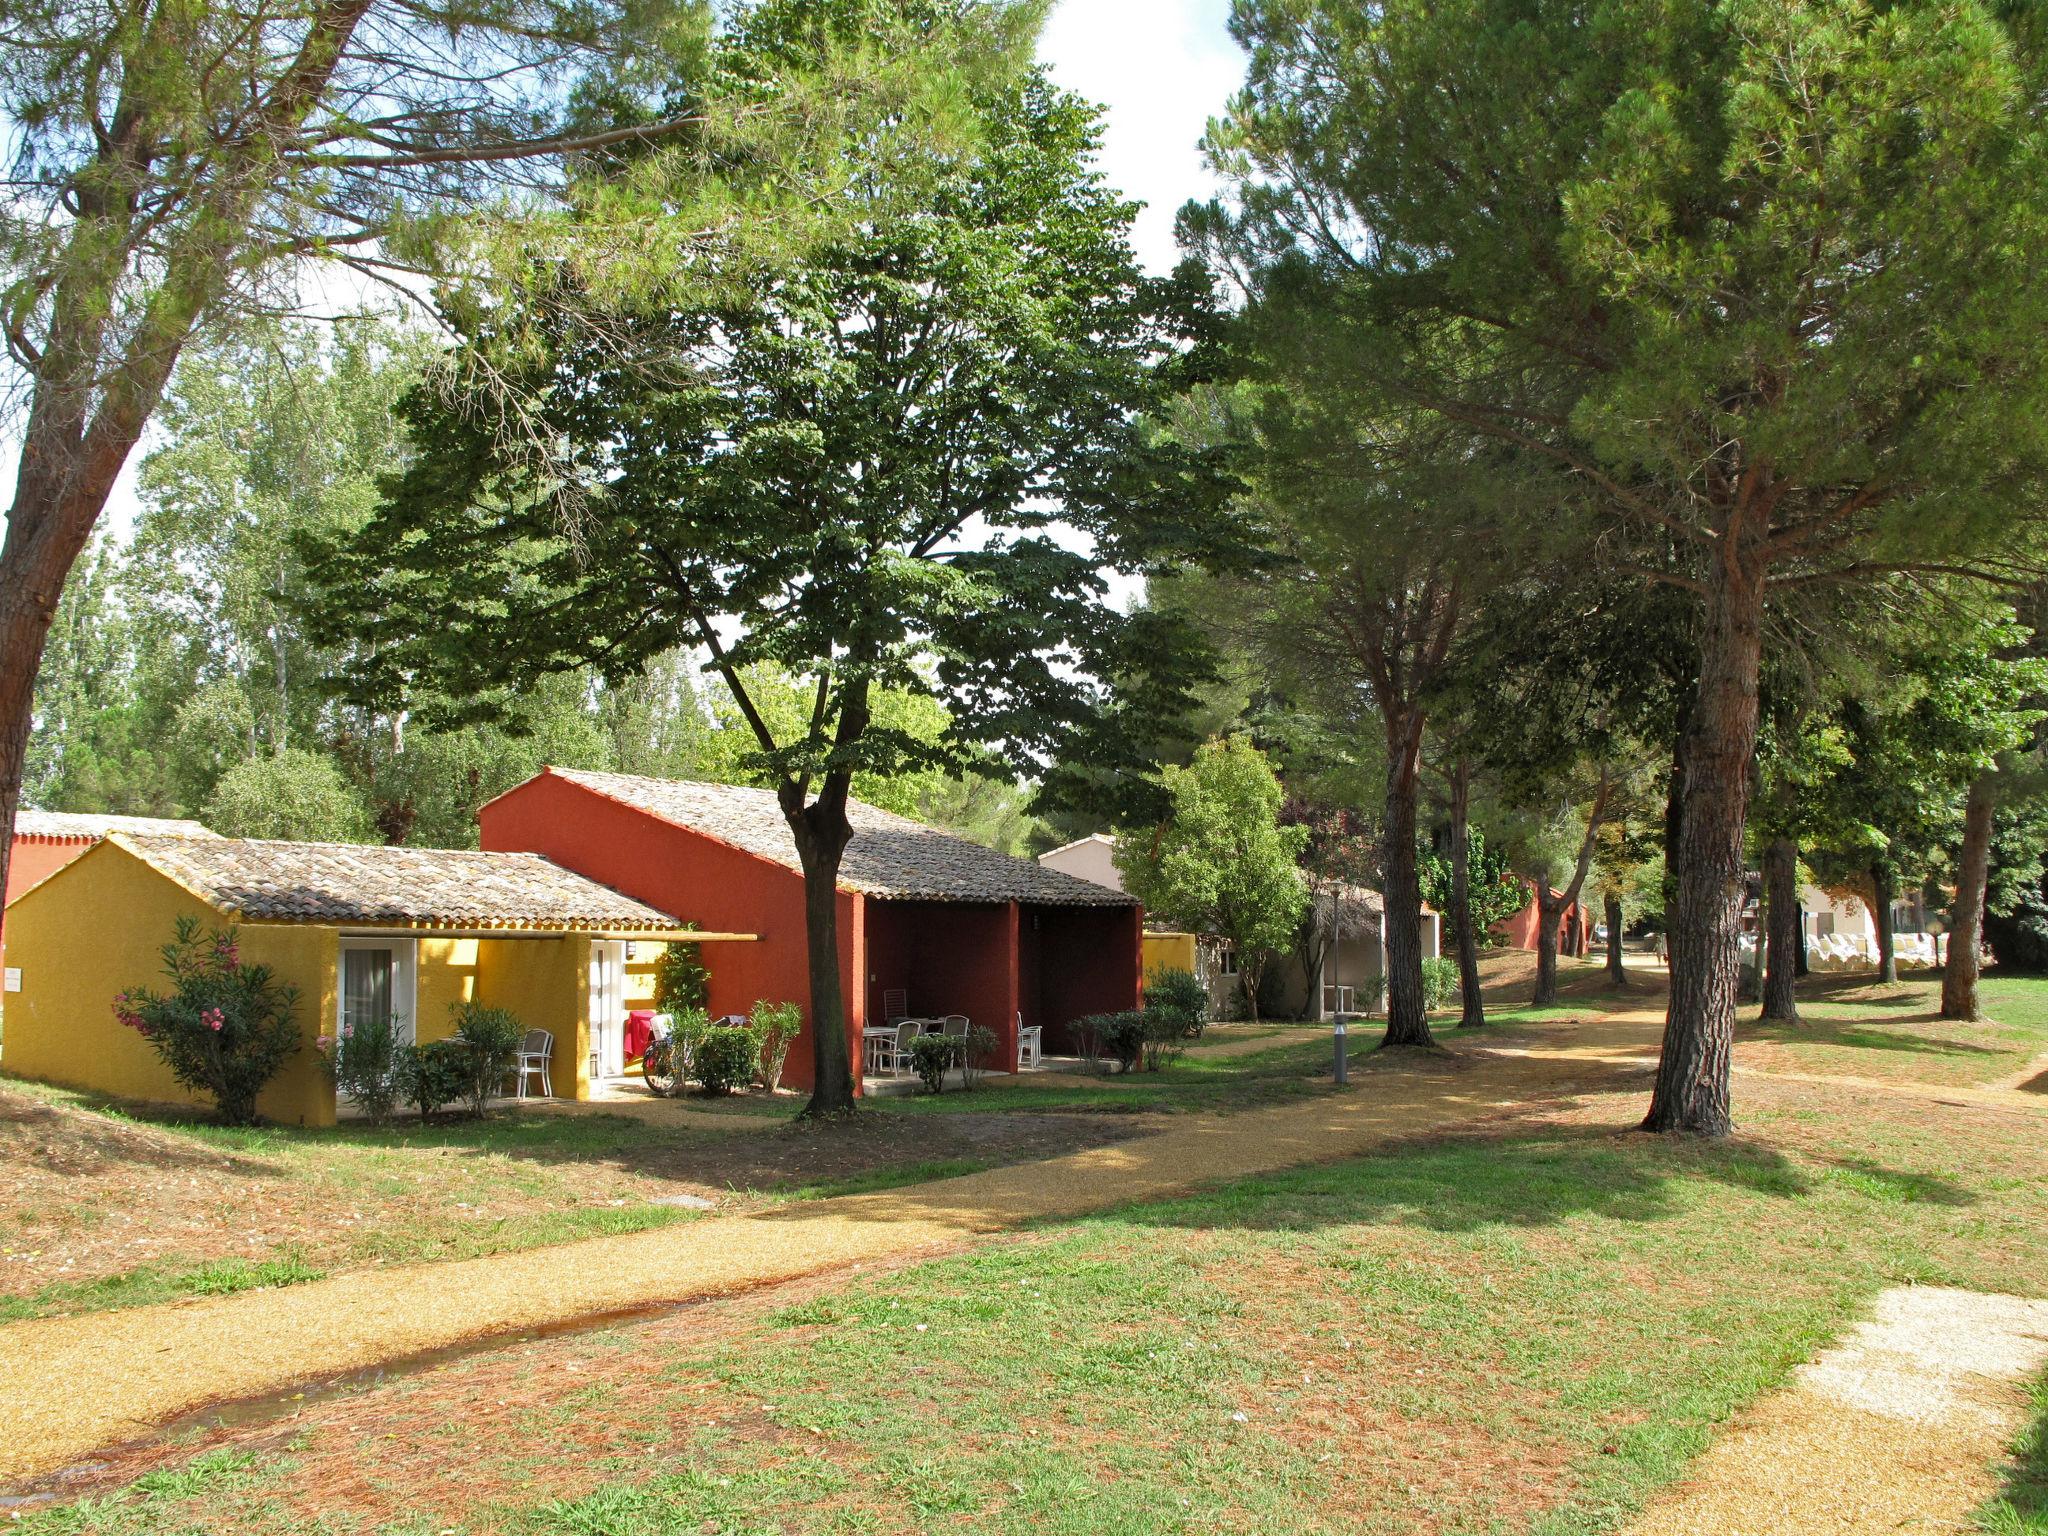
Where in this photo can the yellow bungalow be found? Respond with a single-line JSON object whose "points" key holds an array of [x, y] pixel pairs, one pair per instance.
{"points": [[360, 931]]}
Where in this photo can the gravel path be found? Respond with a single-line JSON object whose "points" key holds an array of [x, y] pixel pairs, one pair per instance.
{"points": [[1900, 1427], [69, 1386]]}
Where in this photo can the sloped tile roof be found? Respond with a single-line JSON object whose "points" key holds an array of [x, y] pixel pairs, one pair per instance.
{"points": [[82, 827], [890, 856], [356, 883]]}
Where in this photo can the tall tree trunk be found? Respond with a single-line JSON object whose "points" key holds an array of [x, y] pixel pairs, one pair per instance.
{"points": [[1966, 933], [1547, 909], [1617, 972], [1474, 1006], [1550, 909], [1407, 1019], [1781, 918], [1691, 1093], [1884, 887], [822, 832], [60, 490]]}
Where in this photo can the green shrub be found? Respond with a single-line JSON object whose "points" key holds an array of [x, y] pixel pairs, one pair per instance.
{"points": [[492, 1037], [681, 980], [435, 1075], [367, 1065], [724, 1058], [974, 1050], [774, 1026], [1439, 981], [224, 1028], [932, 1055], [1117, 1037], [1178, 996], [1165, 1038]]}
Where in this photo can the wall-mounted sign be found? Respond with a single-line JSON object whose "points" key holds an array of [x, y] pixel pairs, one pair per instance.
{"points": [[14, 978]]}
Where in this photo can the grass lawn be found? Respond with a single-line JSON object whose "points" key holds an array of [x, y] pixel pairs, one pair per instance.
{"points": [[109, 1205], [1852, 1026], [1522, 1331], [99, 1208]]}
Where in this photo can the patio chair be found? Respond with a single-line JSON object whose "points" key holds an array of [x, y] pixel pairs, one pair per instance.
{"points": [[531, 1061], [879, 1043], [895, 1004], [956, 1024], [1029, 1053], [907, 1031]]}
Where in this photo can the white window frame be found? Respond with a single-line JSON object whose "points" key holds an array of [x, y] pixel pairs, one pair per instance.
{"points": [[405, 967]]}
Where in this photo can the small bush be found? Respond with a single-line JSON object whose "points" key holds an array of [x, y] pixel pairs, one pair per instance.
{"points": [[975, 1049], [1439, 981], [774, 1026], [1117, 1037], [932, 1055], [435, 1075], [492, 1037], [1165, 1038], [224, 1028], [1177, 995], [724, 1058], [681, 980], [367, 1065]]}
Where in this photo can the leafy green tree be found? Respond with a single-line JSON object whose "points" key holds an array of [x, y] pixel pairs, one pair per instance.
{"points": [[1222, 862], [293, 794], [1759, 285], [182, 166], [1909, 757], [843, 469]]}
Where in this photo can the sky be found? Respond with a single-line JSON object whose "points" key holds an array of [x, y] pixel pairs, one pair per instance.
{"points": [[1159, 68], [1162, 69]]}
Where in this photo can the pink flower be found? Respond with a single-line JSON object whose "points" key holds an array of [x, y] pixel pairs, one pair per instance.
{"points": [[213, 1019]]}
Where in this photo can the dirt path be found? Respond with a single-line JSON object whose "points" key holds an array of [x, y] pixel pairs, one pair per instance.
{"points": [[1900, 1427], [150, 1364]]}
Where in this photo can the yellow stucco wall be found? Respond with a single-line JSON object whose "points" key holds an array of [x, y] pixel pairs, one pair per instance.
{"points": [[546, 982], [446, 975], [1168, 952], [93, 930]]}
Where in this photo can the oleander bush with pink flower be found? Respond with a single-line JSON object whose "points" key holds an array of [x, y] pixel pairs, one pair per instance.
{"points": [[223, 1028]]}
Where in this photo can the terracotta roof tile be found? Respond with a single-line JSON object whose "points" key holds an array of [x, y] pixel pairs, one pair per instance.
{"points": [[369, 884], [890, 856], [78, 826]]}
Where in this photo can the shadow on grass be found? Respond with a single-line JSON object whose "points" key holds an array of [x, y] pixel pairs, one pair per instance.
{"points": [[1461, 1183], [1827, 1033]]}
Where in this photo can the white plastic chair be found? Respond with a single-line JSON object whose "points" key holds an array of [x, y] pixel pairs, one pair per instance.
{"points": [[895, 1005], [879, 1040], [532, 1061], [1029, 1053], [955, 1024]]}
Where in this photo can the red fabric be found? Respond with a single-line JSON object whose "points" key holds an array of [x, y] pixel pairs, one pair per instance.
{"points": [[639, 1030]]}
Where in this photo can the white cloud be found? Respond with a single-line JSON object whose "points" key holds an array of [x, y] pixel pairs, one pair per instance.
{"points": [[1162, 69]]}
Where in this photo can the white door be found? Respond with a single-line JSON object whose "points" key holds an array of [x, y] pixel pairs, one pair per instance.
{"points": [[608, 1007], [377, 983]]}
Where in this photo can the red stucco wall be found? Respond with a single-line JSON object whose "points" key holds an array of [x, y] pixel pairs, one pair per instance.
{"points": [[1090, 960], [1519, 931], [713, 884], [950, 957]]}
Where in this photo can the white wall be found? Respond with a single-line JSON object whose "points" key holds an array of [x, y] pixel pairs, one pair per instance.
{"points": [[1092, 859]]}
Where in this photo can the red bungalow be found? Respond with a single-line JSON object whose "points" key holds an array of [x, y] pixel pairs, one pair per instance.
{"points": [[1574, 926], [958, 927]]}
